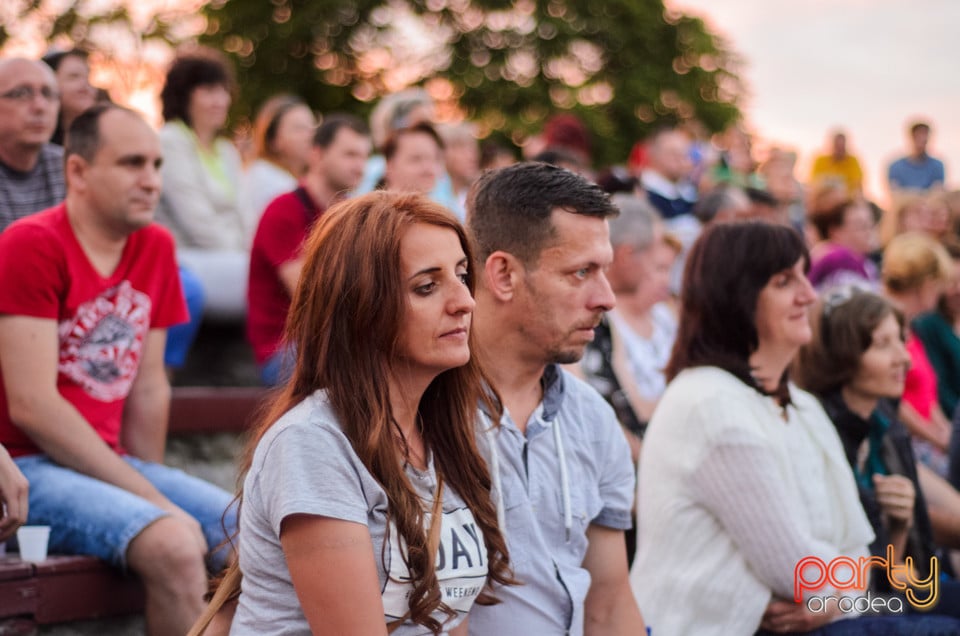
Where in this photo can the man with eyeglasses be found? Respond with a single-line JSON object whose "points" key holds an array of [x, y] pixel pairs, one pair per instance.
{"points": [[31, 168]]}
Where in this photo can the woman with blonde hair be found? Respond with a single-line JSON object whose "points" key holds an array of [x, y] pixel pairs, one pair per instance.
{"points": [[915, 271], [366, 503]]}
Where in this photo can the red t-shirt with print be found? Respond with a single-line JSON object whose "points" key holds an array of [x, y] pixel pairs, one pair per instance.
{"points": [[102, 321]]}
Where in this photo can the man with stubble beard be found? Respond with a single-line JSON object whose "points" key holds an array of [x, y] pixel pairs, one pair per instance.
{"points": [[562, 476]]}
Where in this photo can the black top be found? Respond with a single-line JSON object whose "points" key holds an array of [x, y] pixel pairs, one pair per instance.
{"points": [[896, 456]]}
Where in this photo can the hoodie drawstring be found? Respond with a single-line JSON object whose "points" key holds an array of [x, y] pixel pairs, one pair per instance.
{"points": [[564, 478]]}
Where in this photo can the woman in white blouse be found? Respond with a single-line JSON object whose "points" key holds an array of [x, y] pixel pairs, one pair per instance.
{"points": [[201, 180]]}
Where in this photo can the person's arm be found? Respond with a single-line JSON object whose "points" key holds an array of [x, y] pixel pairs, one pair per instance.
{"points": [[14, 492], [787, 617], [463, 629], [610, 607], [147, 407], [943, 506], [933, 430], [316, 546], [739, 482], [28, 359], [289, 274]]}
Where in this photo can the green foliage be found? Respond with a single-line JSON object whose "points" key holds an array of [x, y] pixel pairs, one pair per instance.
{"points": [[621, 65]]}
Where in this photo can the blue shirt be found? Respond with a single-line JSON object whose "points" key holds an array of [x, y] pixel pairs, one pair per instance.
{"points": [[600, 478], [909, 173]]}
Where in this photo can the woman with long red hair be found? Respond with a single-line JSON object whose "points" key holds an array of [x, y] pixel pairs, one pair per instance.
{"points": [[366, 505]]}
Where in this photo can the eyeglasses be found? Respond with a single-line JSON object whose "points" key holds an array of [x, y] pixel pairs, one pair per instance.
{"points": [[29, 93]]}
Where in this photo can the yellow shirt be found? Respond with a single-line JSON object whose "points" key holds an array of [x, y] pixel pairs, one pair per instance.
{"points": [[847, 169]]}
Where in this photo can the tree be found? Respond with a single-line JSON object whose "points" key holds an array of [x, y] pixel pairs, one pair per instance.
{"points": [[623, 66]]}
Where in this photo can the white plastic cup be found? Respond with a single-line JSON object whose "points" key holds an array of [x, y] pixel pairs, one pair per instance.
{"points": [[33, 543]]}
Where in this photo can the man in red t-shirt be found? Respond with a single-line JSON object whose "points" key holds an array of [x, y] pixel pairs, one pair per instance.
{"points": [[341, 147], [87, 292]]}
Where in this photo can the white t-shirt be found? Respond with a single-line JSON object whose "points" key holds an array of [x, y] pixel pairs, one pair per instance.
{"points": [[306, 465], [648, 357]]}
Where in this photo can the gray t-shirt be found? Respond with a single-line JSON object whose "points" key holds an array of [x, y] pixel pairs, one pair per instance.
{"points": [[305, 465]]}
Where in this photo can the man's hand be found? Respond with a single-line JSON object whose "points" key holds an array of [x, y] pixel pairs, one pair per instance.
{"points": [[13, 496], [785, 617]]}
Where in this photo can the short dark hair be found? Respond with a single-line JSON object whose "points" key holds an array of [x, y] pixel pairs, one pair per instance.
{"points": [[510, 208], [720, 197], [393, 141], [759, 196], [614, 179], [826, 219], [726, 269], [55, 58], [558, 156], [919, 125], [198, 68], [83, 136], [327, 131], [843, 327]]}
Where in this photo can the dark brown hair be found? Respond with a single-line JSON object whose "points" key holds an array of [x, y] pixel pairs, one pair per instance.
{"points": [[727, 268], [393, 141], [843, 326], [510, 209], [84, 136], [198, 67], [344, 324], [828, 218]]}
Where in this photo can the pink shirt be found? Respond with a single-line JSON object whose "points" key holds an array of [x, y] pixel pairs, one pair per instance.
{"points": [[920, 391]]}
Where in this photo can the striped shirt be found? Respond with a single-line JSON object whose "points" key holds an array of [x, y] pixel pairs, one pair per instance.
{"points": [[24, 193]]}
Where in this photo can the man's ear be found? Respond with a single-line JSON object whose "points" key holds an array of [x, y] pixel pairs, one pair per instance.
{"points": [[74, 171], [316, 155], [501, 274]]}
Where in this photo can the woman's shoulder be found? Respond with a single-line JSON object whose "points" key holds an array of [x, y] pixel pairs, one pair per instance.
{"points": [[311, 421], [174, 132], [707, 396], [228, 150], [707, 382], [804, 399]]}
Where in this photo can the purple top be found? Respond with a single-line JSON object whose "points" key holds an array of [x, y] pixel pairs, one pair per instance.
{"points": [[837, 266]]}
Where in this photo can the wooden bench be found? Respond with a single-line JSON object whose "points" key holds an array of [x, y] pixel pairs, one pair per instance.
{"points": [[70, 588], [63, 588], [202, 409]]}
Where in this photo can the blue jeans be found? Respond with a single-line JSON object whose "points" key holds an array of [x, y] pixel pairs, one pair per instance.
{"points": [[954, 471], [180, 337], [901, 625], [92, 517], [278, 368]]}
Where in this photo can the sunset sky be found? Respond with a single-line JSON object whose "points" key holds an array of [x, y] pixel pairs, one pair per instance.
{"points": [[868, 66]]}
